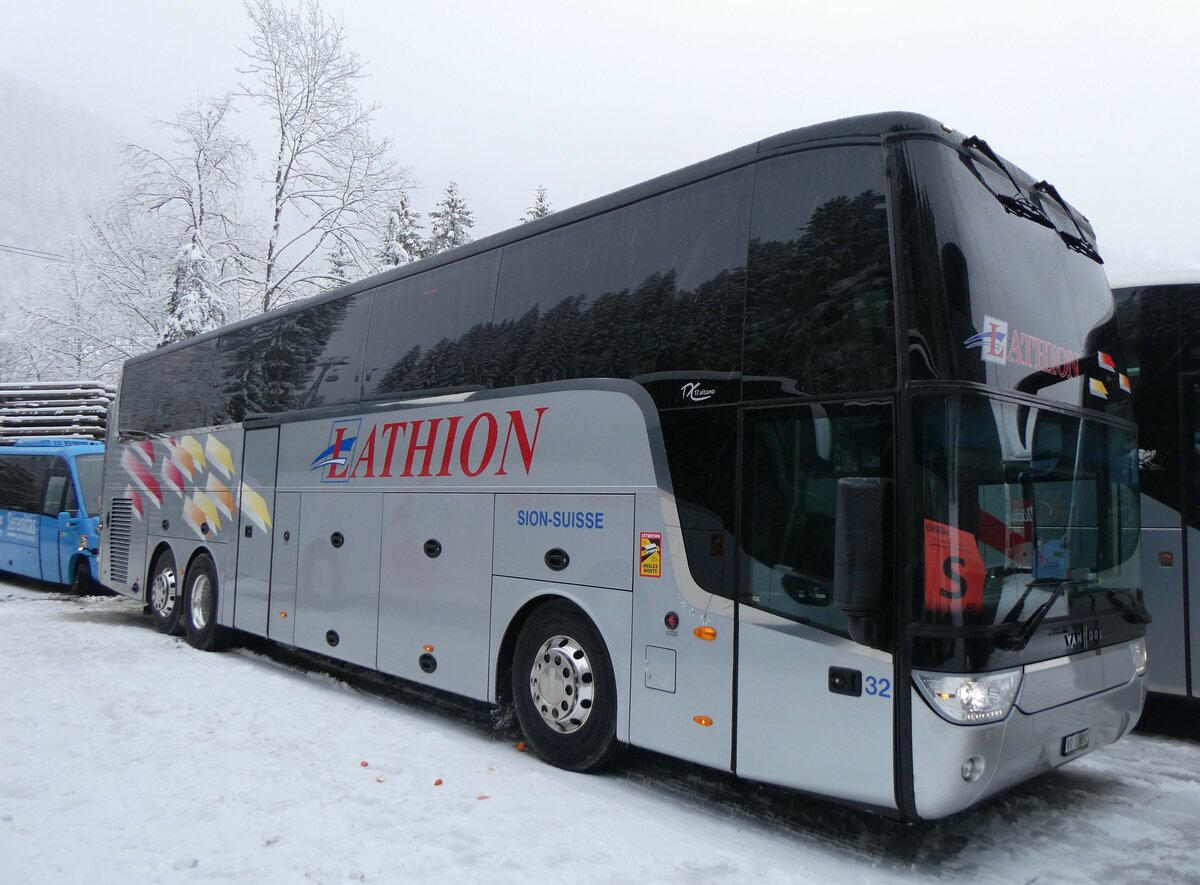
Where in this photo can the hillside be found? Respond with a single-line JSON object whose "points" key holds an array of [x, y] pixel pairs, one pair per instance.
{"points": [[57, 163]]}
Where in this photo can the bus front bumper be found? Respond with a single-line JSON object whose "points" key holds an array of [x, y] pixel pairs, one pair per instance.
{"points": [[955, 766]]}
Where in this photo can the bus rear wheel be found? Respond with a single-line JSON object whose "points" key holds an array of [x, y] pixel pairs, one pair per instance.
{"points": [[563, 688], [166, 604], [200, 607]]}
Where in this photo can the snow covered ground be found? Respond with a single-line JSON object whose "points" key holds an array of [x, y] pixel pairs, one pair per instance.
{"points": [[127, 757]]}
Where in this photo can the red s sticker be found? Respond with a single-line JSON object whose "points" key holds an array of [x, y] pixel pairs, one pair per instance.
{"points": [[954, 569]]}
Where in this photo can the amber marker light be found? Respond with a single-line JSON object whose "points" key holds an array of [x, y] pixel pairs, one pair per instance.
{"points": [[708, 634], [706, 721], [427, 647], [283, 614]]}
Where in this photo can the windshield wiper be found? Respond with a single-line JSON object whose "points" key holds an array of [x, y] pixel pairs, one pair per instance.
{"points": [[1022, 632], [1134, 614], [1079, 243], [1016, 205]]}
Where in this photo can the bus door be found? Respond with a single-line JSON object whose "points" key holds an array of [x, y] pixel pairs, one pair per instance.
{"points": [[814, 708], [55, 535], [252, 584]]}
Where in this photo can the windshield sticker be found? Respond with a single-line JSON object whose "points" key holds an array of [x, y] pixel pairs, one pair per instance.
{"points": [[954, 571], [1000, 346]]}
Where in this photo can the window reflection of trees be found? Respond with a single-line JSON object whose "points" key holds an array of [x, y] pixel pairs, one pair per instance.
{"points": [[821, 312], [820, 306], [280, 364]]}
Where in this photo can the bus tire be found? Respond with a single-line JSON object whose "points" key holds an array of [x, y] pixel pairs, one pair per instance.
{"points": [[563, 688], [164, 596], [81, 580], [200, 607]]}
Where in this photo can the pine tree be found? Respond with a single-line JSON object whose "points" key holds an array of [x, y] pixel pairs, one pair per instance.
{"points": [[451, 222], [191, 306], [539, 209], [341, 265], [402, 243]]}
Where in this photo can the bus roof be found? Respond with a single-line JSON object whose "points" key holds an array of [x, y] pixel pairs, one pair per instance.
{"points": [[53, 446], [867, 126], [1157, 278]]}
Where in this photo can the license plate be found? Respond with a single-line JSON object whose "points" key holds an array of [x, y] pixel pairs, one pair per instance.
{"points": [[1073, 743]]}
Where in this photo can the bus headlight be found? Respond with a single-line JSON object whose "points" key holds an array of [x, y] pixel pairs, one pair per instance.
{"points": [[982, 697], [1137, 648]]}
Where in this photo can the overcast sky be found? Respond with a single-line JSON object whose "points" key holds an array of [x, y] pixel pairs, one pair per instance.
{"points": [[588, 98]]}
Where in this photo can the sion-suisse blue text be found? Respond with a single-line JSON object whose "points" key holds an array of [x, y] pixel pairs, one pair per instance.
{"points": [[562, 519]]}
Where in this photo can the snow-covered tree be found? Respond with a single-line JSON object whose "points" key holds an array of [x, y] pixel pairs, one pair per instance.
{"points": [[67, 331], [341, 265], [402, 242], [192, 307], [450, 223], [195, 193], [539, 209], [328, 177], [128, 257]]}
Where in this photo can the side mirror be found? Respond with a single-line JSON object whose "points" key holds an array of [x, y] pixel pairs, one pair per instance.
{"points": [[859, 555]]}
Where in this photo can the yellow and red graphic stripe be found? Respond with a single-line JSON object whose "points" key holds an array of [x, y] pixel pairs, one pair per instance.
{"points": [[139, 471], [202, 475]]}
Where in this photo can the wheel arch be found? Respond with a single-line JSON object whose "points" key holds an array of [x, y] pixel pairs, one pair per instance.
{"points": [[610, 612], [502, 684], [162, 546], [199, 552]]}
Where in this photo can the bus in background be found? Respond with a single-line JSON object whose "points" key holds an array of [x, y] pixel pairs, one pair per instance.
{"points": [[50, 493], [810, 462], [1159, 316]]}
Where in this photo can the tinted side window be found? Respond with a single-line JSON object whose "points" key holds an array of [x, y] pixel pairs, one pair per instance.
{"points": [[22, 480], [1189, 325], [58, 484], [302, 359], [431, 331], [794, 457], [653, 287], [184, 379], [139, 392], [819, 316], [1150, 327], [702, 451]]}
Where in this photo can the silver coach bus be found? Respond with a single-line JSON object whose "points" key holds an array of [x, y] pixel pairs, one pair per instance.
{"points": [[1160, 324], [810, 462]]}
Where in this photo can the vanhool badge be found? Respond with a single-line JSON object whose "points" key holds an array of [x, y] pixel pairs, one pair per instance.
{"points": [[650, 555]]}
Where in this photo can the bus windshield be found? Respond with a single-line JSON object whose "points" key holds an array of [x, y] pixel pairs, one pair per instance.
{"points": [[1020, 504], [91, 481], [1042, 323]]}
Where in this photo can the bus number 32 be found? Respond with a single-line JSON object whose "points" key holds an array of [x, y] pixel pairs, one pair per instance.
{"points": [[878, 688]]}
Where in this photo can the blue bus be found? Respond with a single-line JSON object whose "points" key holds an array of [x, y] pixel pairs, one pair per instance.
{"points": [[50, 491]]}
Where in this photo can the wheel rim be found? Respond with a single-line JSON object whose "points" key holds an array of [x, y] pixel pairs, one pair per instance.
{"points": [[201, 601], [562, 685], [162, 591]]}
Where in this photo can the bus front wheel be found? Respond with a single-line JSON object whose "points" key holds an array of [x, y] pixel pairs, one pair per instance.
{"points": [[81, 582], [563, 688], [166, 603], [200, 607]]}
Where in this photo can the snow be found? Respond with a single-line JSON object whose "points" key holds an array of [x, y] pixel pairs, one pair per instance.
{"points": [[126, 756]]}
